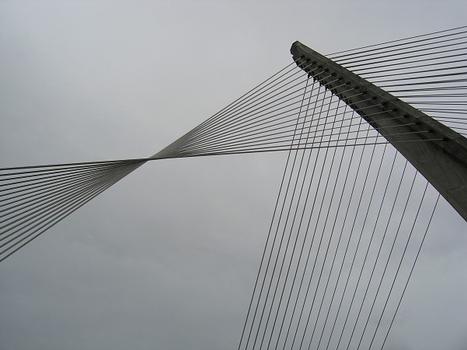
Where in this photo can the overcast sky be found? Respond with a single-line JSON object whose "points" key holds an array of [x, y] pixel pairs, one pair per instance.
{"points": [[166, 259]]}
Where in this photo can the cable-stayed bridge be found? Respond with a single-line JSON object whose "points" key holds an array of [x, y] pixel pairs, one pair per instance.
{"points": [[372, 136]]}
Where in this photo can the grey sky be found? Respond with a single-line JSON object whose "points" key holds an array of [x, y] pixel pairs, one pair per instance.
{"points": [[166, 259]]}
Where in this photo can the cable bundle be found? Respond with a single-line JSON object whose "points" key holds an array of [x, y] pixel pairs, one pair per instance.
{"points": [[347, 229], [427, 71], [35, 198], [349, 223], [265, 120]]}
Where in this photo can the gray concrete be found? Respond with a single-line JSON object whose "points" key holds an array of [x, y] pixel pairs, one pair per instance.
{"points": [[438, 153]]}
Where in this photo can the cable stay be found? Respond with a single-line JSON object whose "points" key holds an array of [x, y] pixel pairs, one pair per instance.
{"points": [[372, 138]]}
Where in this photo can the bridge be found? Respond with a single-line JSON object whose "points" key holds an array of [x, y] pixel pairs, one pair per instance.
{"points": [[373, 138]]}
